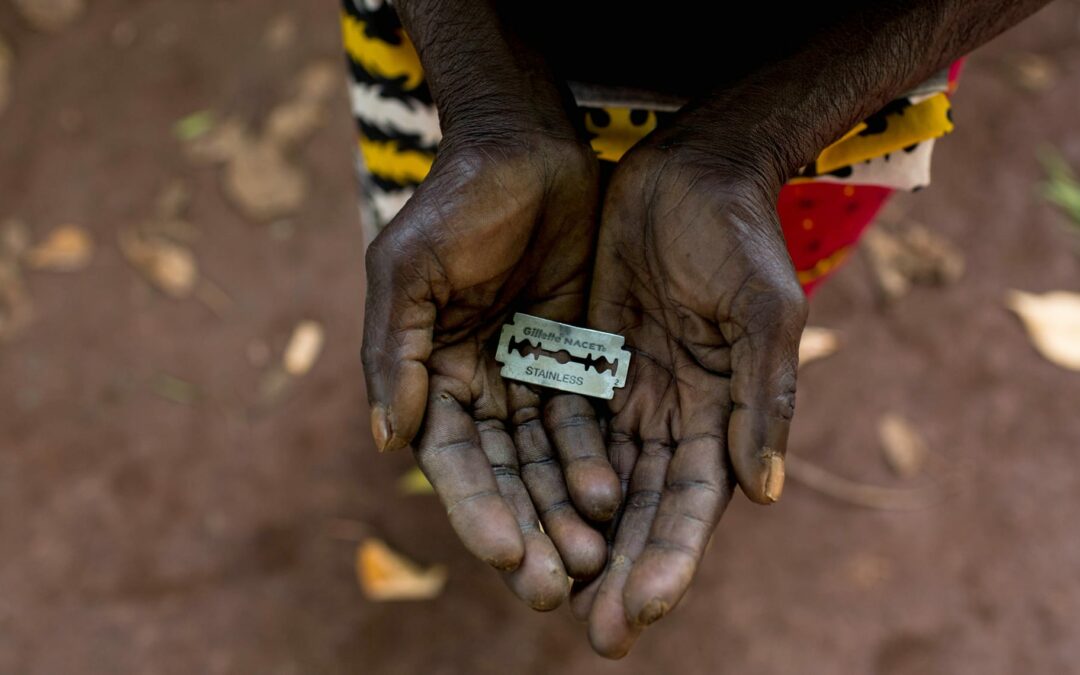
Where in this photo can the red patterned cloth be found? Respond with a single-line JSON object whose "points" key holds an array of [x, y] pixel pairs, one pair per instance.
{"points": [[823, 221]]}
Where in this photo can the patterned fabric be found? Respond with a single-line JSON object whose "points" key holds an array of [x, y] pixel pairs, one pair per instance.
{"points": [[823, 210]]}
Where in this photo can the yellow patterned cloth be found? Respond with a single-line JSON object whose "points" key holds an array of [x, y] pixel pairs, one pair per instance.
{"points": [[399, 127]]}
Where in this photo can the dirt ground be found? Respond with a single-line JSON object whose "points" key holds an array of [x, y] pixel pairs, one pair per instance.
{"points": [[158, 525]]}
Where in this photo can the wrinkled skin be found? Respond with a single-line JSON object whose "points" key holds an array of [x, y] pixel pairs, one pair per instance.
{"points": [[692, 268], [498, 226]]}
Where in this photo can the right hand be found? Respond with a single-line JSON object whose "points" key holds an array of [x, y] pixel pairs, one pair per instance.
{"points": [[693, 270], [502, 223]]}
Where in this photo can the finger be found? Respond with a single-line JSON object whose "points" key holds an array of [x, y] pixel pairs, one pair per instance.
{"points": [[450, 455], [582, 597], [399, 317], [611, 633], [540, 580], [696, 491], [765, 358], [582, 548], [623, 452], [594, 487]]}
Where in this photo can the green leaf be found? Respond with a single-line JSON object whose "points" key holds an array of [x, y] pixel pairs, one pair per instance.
{"points": [[1061, 187], [194, 125]]}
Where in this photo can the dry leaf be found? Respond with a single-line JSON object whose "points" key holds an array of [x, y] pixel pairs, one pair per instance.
{"points": [[817, 343], [303, 348], [320, 80], [1030, 71], [166, 264], [68, 248], [902, 255], [414, 482], [219, 144], [263, 184], [50, 15], [281, 33], [292, 122], [387, 575], [904, 449], [1053, 324]]}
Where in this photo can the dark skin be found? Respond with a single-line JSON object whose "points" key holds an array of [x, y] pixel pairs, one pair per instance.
{"points": [[504, 222], [690, 266]]}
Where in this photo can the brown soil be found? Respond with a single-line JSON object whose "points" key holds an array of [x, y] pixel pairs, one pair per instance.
{"points": [[142, 535]]}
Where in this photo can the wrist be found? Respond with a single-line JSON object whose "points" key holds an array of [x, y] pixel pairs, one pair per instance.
{"points": [[483, 80]]}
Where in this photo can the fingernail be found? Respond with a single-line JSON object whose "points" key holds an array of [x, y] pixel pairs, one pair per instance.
{"points": [[652, 611], [774, 478], [380, 427]]}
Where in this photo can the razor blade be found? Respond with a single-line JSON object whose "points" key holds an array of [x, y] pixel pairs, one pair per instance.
{"points": [[560, 356]]}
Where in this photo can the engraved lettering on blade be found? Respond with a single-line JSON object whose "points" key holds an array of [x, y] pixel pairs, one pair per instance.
{"points": [[557, 355]]}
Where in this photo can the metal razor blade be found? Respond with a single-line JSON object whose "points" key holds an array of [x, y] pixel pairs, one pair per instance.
{"points": [[561, 356]]}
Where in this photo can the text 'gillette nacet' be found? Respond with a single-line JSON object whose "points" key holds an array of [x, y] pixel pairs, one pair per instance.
{"points": [[558, 355]]}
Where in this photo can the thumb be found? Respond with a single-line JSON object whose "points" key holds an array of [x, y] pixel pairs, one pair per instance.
{"points": [[399, 317], [765, 360]]}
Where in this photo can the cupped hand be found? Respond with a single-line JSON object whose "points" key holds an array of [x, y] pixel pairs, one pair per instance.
{"points": [[692, 269], [502, 223]]}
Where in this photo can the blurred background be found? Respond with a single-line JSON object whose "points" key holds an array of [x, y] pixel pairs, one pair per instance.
{"points": [[187, 483]]}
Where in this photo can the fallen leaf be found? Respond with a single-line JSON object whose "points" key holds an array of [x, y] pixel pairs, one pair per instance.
{"points": [[304, 347], [1053, 324], [293, 121], [68, 248], [262, 184], [385, 574], [414, 482], [169, 266], [905, 254], [194, 126], [220, 144], [1031, 71], [281, 32], [817, 343], [904, 449], [319, 80], [50, 15], [7, 61]]}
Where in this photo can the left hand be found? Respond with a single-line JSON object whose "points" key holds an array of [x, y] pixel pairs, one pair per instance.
{"points": [[692, 269]]}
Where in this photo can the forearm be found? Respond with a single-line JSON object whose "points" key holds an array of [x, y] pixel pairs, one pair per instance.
{"points": [[779, 118], [482, 78]]}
